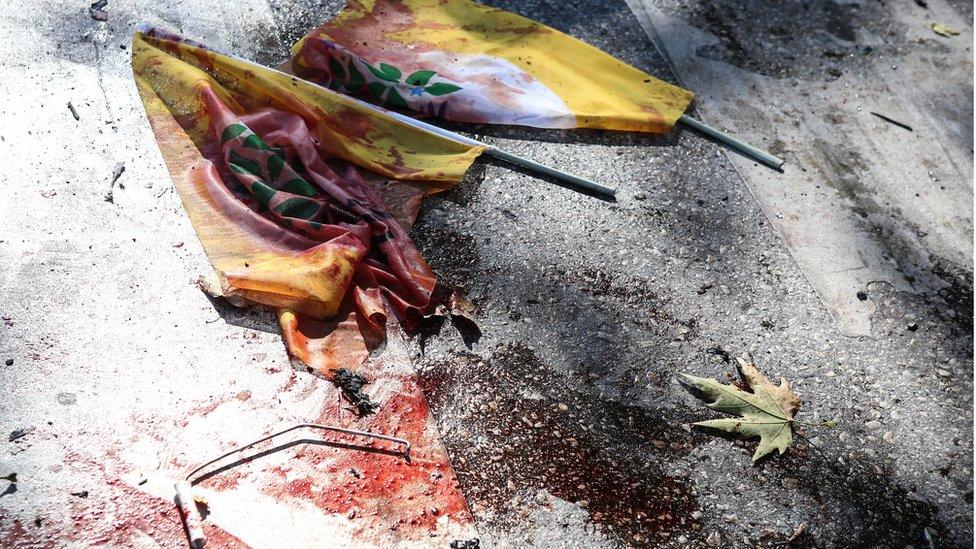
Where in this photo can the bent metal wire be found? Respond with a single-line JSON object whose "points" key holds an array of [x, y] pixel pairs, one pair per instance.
{"points": [[405, 452], [184, 497]]}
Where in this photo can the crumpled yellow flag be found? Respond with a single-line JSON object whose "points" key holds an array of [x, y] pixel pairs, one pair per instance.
{"points": [[467, 62], [268, 169]]}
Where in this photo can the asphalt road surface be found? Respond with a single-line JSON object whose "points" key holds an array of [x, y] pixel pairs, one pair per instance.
{"points": [[564, 420]]}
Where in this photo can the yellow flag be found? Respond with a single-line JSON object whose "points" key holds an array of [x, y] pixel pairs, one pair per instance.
{"points": [[467, 62], [261, 160]]}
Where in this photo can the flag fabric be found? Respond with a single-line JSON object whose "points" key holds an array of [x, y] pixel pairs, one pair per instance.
{"points": [[274, 174], [301, 198], [467, 62]]}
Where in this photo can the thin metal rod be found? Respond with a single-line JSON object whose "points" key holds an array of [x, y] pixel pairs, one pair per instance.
{"points": [[490, 150], [757, 154], [367, 434], [573, 180]]}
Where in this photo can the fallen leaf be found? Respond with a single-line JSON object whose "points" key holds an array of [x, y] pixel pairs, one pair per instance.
{"points": [[12, 477], [943, 30], [765, 410], [463, 310]]}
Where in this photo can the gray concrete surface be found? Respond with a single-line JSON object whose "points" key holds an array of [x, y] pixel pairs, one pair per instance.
{"points": [[860, 200], [563, 419]]}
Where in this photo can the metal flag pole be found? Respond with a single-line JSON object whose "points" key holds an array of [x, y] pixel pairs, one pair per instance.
{"points": [[490, 150], [494, 152], [574, 181], [569, 178], [748, 150]]}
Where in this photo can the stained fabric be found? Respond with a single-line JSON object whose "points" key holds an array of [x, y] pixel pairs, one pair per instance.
{"points": [[275, 175], [301, 198], [467, 62]]}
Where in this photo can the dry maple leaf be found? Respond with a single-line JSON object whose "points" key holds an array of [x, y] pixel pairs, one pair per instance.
{"points": [[767, 412]]}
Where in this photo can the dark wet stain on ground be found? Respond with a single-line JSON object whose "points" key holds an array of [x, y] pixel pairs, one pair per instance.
{"points": [[535, 430], [632, 293]]}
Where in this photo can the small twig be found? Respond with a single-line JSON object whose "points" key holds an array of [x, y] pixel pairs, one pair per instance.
{"points": [[74, 112], [893, 121]]}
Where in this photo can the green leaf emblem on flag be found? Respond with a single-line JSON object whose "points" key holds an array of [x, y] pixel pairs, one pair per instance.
{"points": [[441, 88], [420, 78], [385, 72], [244, 166], [232, 131]]}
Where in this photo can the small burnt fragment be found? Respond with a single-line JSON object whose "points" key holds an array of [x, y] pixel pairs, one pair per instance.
{"points": [[352, 385]]}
